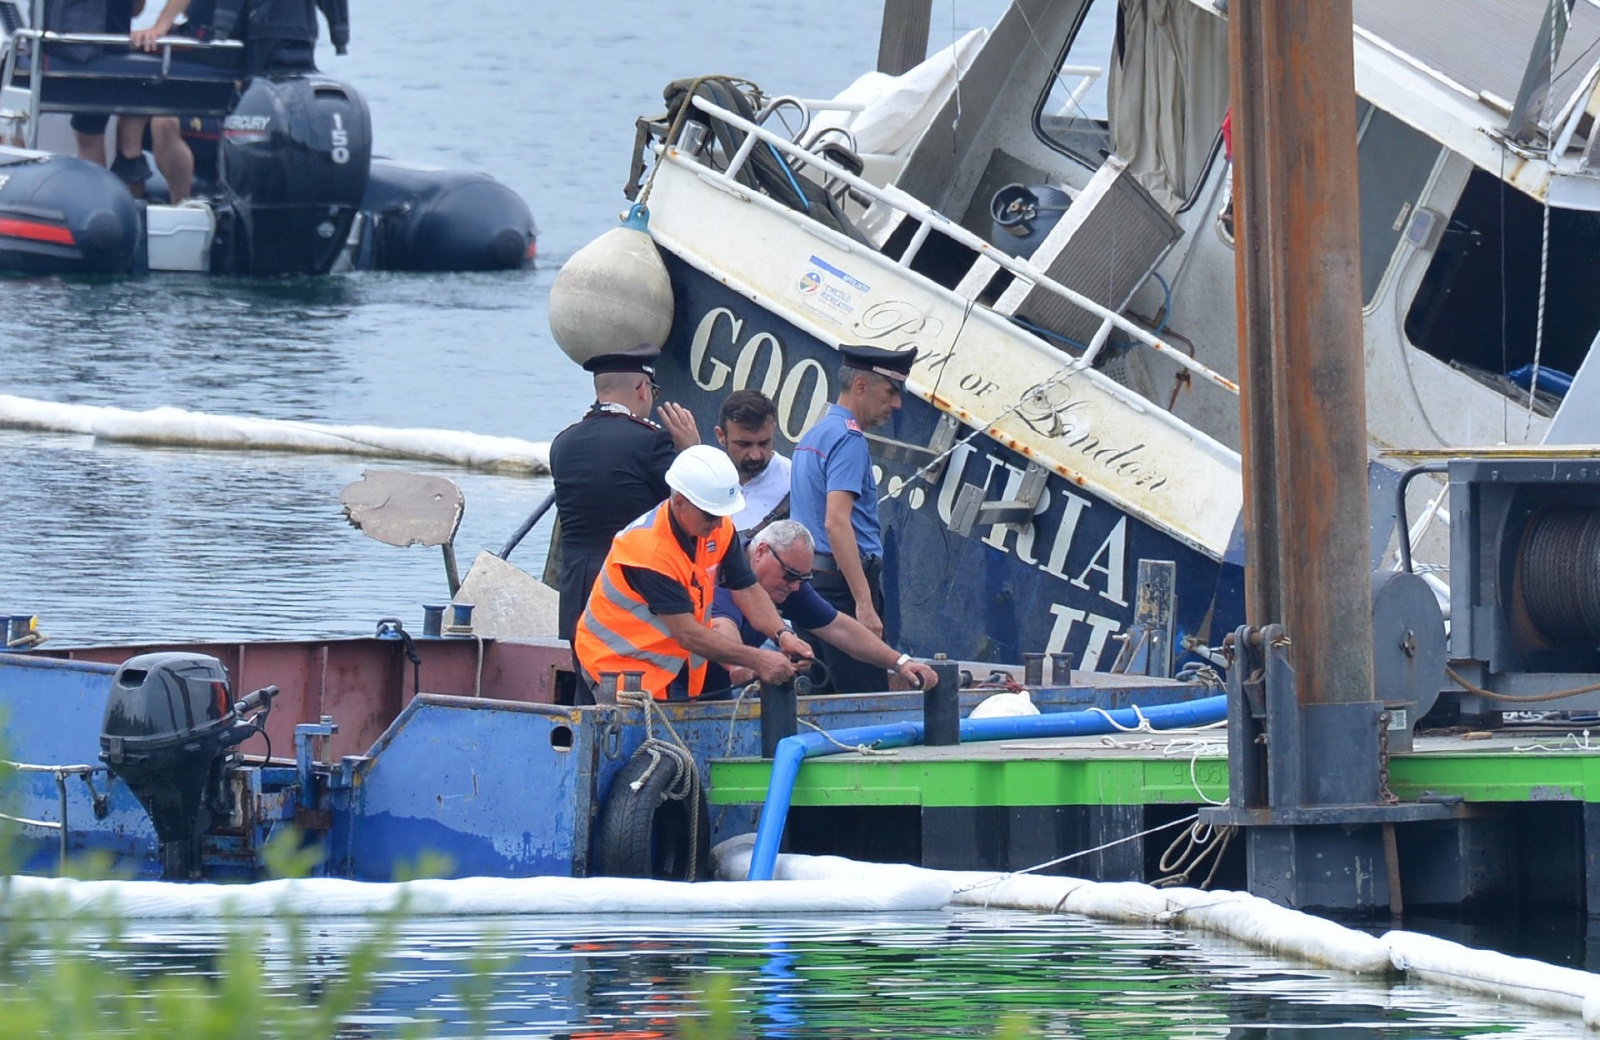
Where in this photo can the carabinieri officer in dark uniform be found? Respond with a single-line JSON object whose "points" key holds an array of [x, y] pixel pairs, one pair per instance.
{"points": [[609, 468], [833, 493]]}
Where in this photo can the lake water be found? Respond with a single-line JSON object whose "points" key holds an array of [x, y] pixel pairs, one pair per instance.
{"points": [[108, 542], [114, 542], [958, 974]]}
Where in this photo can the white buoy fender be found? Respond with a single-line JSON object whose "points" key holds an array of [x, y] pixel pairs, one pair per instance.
{"points": [[1003, 705], [612, 297]]}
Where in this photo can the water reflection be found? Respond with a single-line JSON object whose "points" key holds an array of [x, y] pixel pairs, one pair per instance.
{"points": [[909, 975]]}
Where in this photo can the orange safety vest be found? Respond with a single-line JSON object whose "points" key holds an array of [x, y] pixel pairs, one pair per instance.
{"points": [[618, 633]]}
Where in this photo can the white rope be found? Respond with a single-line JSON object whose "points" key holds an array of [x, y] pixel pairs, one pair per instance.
{"points": [[1143, 726], [733, 719], [1544, 236], [1196, 750], [47, 824], [686, 787], [477, 681], [1570, 742], [860, 749], [1000, 878], [30, 767]]}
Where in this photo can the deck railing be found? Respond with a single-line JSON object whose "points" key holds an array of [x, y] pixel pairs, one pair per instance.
{"points": [[930, 220], [37, 74]]}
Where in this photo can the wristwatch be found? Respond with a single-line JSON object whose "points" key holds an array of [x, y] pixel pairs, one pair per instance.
{"points": [[900, 662]]}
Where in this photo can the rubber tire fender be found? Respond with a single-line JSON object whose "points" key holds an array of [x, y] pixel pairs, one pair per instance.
{"points": [[643, 833]]}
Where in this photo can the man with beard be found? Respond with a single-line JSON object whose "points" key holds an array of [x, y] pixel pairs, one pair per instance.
{"points": [[746, 425], [834, 494]]}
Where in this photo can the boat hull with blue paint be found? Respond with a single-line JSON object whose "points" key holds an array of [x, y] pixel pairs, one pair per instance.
{"points": [[479, 774]]}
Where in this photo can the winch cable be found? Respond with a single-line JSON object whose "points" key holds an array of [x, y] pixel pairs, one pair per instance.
{"points": [[1512, 698], [686, 787], [1544, 245]]}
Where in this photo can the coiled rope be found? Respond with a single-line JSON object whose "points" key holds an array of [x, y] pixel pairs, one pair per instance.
{"points": [[686, 786]]}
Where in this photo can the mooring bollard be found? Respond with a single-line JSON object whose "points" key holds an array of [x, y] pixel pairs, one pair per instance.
{"points": [[1060, 669], [1033, 670], [941, 705], [779, 716]]}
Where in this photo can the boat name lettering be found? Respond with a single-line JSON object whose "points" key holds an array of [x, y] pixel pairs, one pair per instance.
{"points": [[801, 393], [898, 322], [1048, 409], [976, 385], [341, 140], [246, 122], [1101, 628], [1048, 541]]}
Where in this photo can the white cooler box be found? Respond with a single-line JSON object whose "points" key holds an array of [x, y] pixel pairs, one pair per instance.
{"points": [[180, 236]]}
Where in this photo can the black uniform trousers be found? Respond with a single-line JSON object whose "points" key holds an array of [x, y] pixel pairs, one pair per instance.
{"points": [[845, 673]]}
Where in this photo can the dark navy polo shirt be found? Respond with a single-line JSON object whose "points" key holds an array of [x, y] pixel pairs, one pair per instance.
{"points": [[803, 609]]}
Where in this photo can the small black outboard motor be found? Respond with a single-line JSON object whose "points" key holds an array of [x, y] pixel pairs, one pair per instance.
{"points": [[294, 161], [61, 215], [442, 220], [170, 722]]}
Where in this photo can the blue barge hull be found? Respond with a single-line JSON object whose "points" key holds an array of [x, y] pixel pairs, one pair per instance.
{"points": [[504, 783]]}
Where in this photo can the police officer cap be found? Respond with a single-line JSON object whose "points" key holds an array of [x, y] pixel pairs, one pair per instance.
{"points": [[894, 364], [621, 363]]}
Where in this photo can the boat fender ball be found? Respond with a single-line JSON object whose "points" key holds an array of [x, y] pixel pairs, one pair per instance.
{"points": [[1004, 705], [611, 297]]}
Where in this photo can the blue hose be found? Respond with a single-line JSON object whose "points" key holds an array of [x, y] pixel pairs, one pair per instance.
{"points": [[794, 750]]}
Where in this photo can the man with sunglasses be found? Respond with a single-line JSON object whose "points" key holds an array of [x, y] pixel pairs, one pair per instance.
{"points": [[610, 467], [650, 608], [781, 556]]}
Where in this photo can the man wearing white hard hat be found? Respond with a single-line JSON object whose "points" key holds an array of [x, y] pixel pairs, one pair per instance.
{"points": [[650, 608]]}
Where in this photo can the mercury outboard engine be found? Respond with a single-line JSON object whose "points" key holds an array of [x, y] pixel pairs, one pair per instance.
{"points": [[61, 215], [294, 162], [442, 220], [169, 726]]}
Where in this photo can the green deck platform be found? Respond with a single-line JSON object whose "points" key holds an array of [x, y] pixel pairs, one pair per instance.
{"points": [[1086, 771], [1528, 824]]}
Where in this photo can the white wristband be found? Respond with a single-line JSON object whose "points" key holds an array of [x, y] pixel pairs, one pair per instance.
{"points": [[901, 662]]}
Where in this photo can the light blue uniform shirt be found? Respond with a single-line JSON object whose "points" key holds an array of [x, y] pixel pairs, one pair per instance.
{"points": [[833, 456]]}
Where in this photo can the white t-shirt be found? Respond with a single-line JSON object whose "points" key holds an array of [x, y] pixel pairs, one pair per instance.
{"points": [[763, 493]]}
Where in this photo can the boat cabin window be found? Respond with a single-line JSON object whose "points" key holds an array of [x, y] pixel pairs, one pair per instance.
{"points": [[1477, 308], [1146, 80], [1395, 163]]}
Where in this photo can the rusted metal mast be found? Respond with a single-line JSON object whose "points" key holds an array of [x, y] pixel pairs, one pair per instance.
{"points": [[903, 40], [1303, 401]]}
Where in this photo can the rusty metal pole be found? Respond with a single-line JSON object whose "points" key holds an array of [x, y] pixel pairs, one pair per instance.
{"points": [[903, 39], [1303, 399]]}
